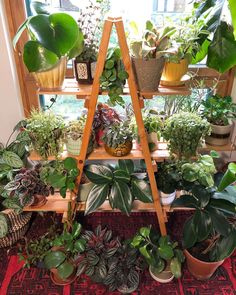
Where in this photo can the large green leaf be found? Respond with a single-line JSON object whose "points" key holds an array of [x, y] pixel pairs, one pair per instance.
{"points": [[120, 197], [53, 259], [99, 174], [223, 205], [166, 252], [121, 175], [228, 194], [65, 270], [226, 246], [202, 223], [70, 163], [141, 190], [96, 197], [78, 46], [221, 52], [37, 58], [189, 234], [38, 7], [57, 180], [229, 177], [126, 165], [12, 159], [187, 201], [219, 222], [232, 8], [175, 267]]}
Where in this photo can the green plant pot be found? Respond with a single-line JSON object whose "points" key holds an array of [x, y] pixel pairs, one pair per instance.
{"points": [[84, 190], [73, 146]]}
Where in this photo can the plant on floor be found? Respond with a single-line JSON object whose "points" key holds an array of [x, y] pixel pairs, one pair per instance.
{"points": [[114, 77], [51, 37], [158, 251], [61, 175], [208, 233], [123, 272], [152, 43], [120, 185], [98, 255], [26, 186], [45, 130], [184, 132], [218, 110]]}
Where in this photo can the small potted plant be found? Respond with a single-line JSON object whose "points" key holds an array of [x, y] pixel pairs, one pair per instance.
{"points": [[147, 52], [184, 132], [28, 189], [162, 255], [209, 235], [46, 133], [219, 112], [117, 139], [54, 39], [103, 118], [114, 77], [99, 251], [124, 271]]}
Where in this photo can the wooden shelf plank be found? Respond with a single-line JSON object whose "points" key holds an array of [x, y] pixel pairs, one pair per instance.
{"points": [[205, 147], [71, 87], [54, 203]]}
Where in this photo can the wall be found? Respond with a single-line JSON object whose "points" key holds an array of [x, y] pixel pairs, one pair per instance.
{"points": [[10, 99]]}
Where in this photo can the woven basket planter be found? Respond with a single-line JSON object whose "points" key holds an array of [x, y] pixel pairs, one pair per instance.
{"points": [[17, 227]]}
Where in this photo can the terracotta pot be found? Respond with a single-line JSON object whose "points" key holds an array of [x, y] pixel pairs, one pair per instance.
{"points": [[174, 71], [52, 79], [201, 270], [165, 276], [148, 73], [121, 150], [84, 71], [58, 281], [220, 135], [39, 201]]}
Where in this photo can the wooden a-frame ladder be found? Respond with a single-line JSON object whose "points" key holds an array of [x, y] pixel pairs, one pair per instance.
{"points": [[91, 103]]}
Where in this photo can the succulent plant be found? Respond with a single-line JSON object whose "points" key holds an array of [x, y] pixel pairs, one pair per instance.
{"points": [[117, 133], [45, 131], [26, 184], [124, 269], [98, 255]]}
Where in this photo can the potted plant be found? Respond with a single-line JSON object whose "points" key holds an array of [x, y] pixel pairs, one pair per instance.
{"points": [[184, 133], [124, 271], [90, 23], [99, 251], [185, 40], [104, 117], [219, 112], [46, 131], [117, 139], [60, 259], [147, 54], [208, 235], [61, 175], [28, 189], [120, 185], [162, 255], [54, 38], [114, 77]]}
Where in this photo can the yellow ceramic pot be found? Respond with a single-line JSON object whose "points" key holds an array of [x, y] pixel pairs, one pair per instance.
{"points": [[175, 71], [52, 79], [121, 150]]}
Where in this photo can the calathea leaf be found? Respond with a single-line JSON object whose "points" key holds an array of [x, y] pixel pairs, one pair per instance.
{"points": [[121, 175], [12, 159], [203, 225], [188, 201], [126, 165], [133, 278], [96, 197], [120, 197], [98, 174], [141, 190], [219, 221]]}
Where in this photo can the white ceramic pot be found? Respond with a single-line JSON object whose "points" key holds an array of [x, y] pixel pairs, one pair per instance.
{"points": [[165, 276], [220, 135], [167, 199]]}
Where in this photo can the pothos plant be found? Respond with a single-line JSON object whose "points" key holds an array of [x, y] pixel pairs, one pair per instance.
{"points": [[158, 251], [114, 77], [184, 132], [120, 185]]}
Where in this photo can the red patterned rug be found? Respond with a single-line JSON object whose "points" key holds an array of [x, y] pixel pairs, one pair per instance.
{"points": [[18, 281]]}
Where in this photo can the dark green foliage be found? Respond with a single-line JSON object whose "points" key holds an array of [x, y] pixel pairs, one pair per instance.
{"points": [[114, 77], [119, 185], [158, 250], [218, 110], [99, 251]]}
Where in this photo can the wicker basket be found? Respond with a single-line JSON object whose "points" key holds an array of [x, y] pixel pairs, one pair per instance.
{"points": [[17, 227]]}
